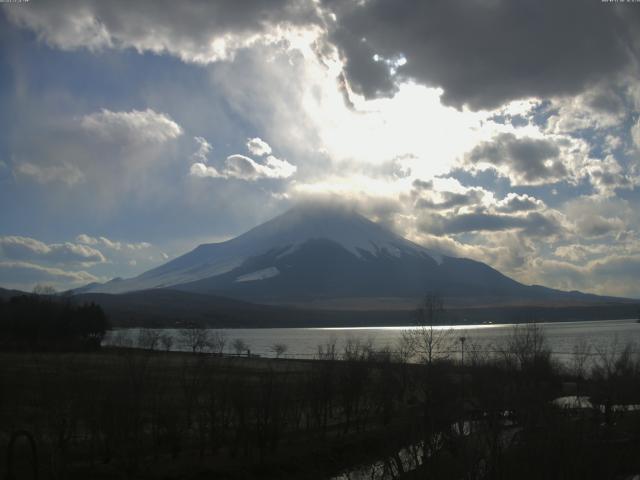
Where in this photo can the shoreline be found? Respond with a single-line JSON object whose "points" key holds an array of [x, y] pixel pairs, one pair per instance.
{"points": [[390, 326]]}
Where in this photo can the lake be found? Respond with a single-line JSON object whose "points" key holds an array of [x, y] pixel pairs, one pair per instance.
{"points": [[303, 342]]}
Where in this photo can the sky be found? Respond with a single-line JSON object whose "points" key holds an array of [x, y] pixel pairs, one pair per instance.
{"points": [[499, 130]]}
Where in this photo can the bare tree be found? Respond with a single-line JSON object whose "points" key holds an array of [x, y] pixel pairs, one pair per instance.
{"points": [[477, 353], [239, 346], [217, 341], [195, 338], [327, 350], [614, 373], [167, 341], [279, 349], [357, 349], [427, 340], [403, 351], [527, 345], [581, 354], [148, 338], [121, 338]]}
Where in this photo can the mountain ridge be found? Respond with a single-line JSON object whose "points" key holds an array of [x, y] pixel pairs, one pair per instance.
{"points": [[320, 253]]}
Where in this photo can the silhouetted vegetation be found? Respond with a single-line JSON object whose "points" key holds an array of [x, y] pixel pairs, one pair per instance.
{"points": [[414, 411], [47, 322], [138, 413]]}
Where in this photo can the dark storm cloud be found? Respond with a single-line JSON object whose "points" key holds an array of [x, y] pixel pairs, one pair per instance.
{"points": [[606, 101], [533, 224], [367, 76], [483, 53], [451, 200], [528, 160]]}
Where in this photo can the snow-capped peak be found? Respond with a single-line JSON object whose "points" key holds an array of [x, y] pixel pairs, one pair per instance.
{"points": [[286, 233], [339, 224]]}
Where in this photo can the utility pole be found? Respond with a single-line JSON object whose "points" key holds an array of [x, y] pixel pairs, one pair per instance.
{"points": [[462, 340]]}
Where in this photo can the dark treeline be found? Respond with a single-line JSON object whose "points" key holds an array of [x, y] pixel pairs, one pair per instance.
{"points": [[49, 322], [134, 413]]}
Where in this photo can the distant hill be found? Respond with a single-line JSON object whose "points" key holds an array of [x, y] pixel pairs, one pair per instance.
{"points": [[171, 308], [5, 294], [174, 308]]}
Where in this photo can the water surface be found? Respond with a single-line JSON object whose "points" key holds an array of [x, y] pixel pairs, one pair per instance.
{"points": [[561, 337]]}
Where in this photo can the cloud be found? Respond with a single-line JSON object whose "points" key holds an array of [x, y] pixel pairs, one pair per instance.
{"points": [[30, 249], [607, 175], [204, 149], [110, 157], [606, 268], [597, 108], [258, 147], [278, 70], [86, 239], [136, 126], [422, 184], [540, 49], [244, 168], [597, 225], [202, 170], [391, 170], [598, 216], [525, 160], [545, 50], [608, 275], [194, 31], [64, 173], [533, 223], [23, 275], [617, 265], [112, 244], [450, 200], [239, 166], [635, 134], [518, 203], [31, 261], [581, 253]]}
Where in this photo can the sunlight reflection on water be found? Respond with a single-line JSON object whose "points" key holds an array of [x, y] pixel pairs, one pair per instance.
{"points": [[303, 342]]}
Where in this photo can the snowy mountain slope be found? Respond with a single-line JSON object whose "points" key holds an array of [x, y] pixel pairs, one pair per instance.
{"points": [[287, 233]]}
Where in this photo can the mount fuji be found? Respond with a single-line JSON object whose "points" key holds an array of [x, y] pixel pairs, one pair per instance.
{"points": [[327, 255]]}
